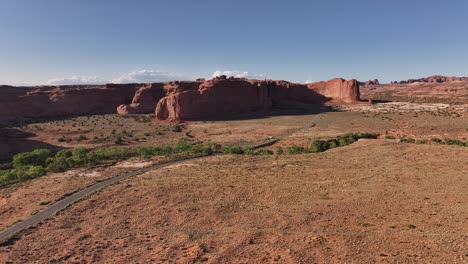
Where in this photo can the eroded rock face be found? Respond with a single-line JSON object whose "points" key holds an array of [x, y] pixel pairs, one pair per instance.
{"points": [[214, 98], [217, 98], [145, 99], [338, 90], [222, 97], [47, 101]]}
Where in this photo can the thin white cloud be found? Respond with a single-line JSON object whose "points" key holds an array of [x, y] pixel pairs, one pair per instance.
{"points": [[239, 74], [147, 76], [76, 80]]}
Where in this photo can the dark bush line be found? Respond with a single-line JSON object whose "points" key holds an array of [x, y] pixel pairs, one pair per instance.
{"points": [[39, 162], [316, 146], [436, 141]]}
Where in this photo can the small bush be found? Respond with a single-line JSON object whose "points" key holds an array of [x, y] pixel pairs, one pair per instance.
{"points": [[233, 150], [318, 146], [264, 152], [279, 151], [294, 150], [249, 151]]}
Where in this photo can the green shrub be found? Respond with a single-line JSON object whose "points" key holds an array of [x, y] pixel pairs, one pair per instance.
{"points": [[36, 157], [318, 146], [437, 141], [249, 151], [332, 144], [389, 137], [279, 151], [233, 150], [294, 150], [264, 152]]}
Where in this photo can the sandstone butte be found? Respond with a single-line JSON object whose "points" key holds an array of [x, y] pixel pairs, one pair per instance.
{"points": [[192, 100]]}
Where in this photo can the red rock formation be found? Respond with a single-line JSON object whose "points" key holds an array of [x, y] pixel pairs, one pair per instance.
{"points": [[145, 99], [436, 79], [217, 98], [370, 82], [221, 97], [339, 90], [47, 101]]}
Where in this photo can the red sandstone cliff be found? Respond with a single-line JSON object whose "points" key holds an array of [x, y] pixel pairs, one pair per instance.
{"points": [[47, 101], [217, 98], [435, 79], [339, 90]]}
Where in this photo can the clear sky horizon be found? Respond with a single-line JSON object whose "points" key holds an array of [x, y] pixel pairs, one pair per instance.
{"points": [[65, 41]]}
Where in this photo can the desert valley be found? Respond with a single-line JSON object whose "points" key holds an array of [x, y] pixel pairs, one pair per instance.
{"points": [[235, 170]]}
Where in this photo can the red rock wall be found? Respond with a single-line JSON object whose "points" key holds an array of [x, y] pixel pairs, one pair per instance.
{"points": [[338, 90], [19, 102]]}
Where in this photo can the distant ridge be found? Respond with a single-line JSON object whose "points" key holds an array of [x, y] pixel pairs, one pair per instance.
{"points": [[434, 79]]}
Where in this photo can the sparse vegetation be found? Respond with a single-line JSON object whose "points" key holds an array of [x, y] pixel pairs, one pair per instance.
{"points": [[323, 145], [39, 162]]}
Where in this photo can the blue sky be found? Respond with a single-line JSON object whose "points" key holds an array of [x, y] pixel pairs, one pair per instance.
{"points": [[85, 41]]}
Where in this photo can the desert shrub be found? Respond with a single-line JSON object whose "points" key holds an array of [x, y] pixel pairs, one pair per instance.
{"points": [[421, 141], [233, 150], [437, 141], [389, 137], [58, 164], [294, 150], [318, 146], [205, 150], [332, 143], [264, 152], [182, 145], [249, 151], [118, 140], [455, 142], [408, 140], [82, 137], [36, 157], [279, 151]]}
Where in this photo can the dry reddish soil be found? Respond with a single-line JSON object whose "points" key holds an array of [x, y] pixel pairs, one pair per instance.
{"points": [[373, 201], [19, 201]]}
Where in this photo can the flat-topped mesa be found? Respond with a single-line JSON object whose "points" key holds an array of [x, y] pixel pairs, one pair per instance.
{"points": [[215, 98], [17, 103], [338, 90], [435, 79], [223, 97]]}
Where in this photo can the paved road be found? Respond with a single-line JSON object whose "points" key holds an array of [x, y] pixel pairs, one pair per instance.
{"points": [[75, 197]]}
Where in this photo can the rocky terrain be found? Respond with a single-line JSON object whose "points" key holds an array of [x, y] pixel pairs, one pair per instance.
{"points": [[434, 79], [217, 98]]}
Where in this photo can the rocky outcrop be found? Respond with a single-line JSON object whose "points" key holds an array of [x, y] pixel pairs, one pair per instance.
{"points": [[49, 101], [338, 90], [217, 98], [370, 82], [435, 79], [145, 99], [222, 97]]}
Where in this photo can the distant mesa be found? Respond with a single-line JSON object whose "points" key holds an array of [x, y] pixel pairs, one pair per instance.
{"points": [[220, 97], [370, 82], [433, 79]]}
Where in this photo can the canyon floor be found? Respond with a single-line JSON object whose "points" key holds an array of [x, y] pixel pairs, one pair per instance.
{"points": [[376, 200]]}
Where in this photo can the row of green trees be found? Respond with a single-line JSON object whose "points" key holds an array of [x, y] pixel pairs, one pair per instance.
{"points": [[39, 162]]}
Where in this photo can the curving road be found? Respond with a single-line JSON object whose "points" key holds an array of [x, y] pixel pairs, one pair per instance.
{"points": [[77, 196]]}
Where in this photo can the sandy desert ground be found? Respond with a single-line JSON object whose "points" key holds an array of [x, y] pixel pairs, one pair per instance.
{"points": [[377, 200]]}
